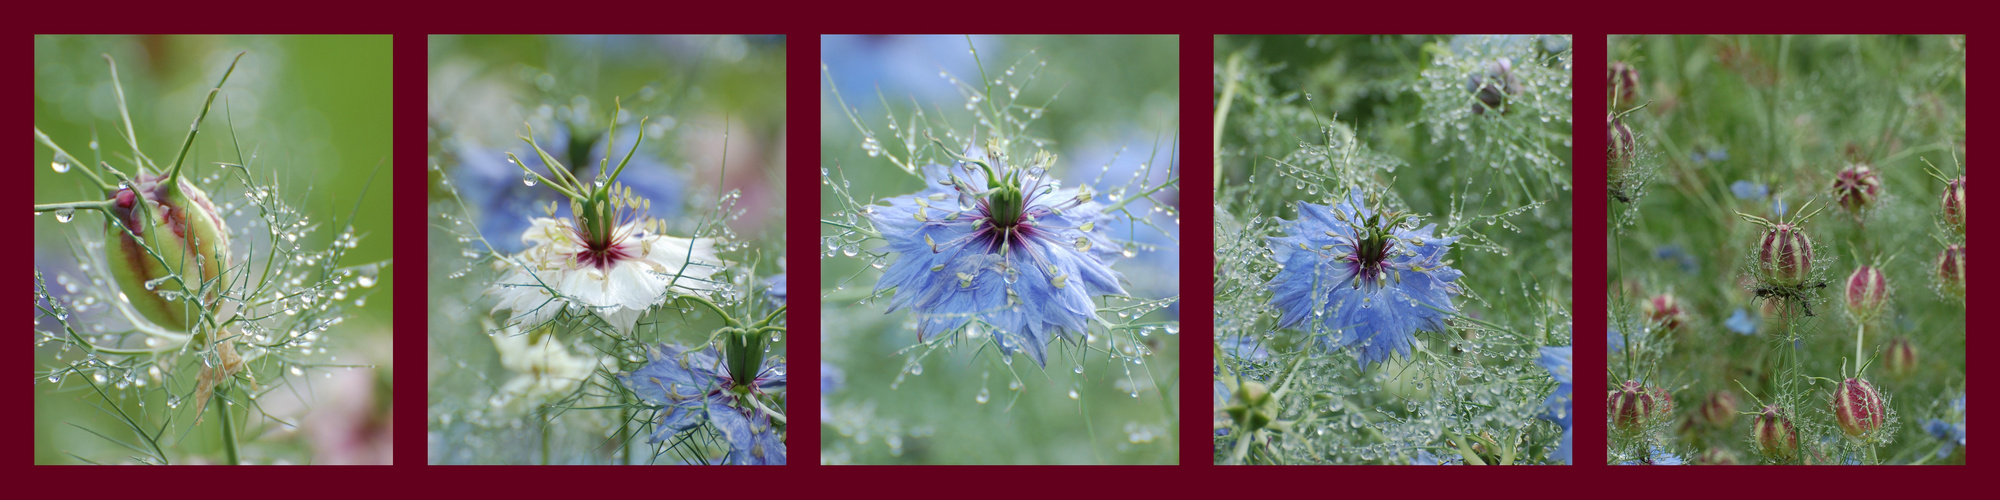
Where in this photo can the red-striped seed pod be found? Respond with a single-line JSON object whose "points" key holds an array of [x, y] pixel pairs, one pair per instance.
{"points": [[1619, 140], [1664, 310], [1855, 187], [1900, 357], [1954, 204], [1951, 270], [1773, 434], [1858, 408], [1624, 83], [1785, 254], [1633, 406], [1719, 409], [1717, 456], [1866, 293]]}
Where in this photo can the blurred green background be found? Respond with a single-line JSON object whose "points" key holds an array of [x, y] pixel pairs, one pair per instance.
{"points": [[314, 110], [1776, 117], [1110, 92]]}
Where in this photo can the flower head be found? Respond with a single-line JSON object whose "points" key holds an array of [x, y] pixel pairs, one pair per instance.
{"points": [[1010, 249], [695, 386], [609, 258], [1362, 278]]}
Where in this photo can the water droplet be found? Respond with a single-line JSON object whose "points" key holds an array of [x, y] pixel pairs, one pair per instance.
{"points": [[529, 178], [64, 215], [59, 166], [983, 396], [1073, 394]]}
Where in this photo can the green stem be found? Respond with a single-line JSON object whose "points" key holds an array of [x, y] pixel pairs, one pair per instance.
{"points": [[1232, 72], [232, 455], [78, 205]]}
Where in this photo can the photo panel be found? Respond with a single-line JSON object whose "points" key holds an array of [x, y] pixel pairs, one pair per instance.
{"points": [[1001, 253], [212, 250], [1393, 237], [607, 259]]}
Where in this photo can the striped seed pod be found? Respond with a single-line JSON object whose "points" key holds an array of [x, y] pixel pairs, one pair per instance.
{"points": [[1773, 434], [1858, 408], [1664, 310], [1900, 357], [165, 231], [1951, 270], [1624, 83], [1954, 204], [1866, 293], [1632, 406], [1855, 187], [1720, 409], [1786, 254]]}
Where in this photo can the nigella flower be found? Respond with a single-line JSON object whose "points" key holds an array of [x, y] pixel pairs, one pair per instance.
{"points": [[1006, 247], [545, 368], [1362, 278], [1746, 190], [608, 259], [1557, 407], [1244, 347], [696, 387], [1616, 342], [493, 186], [1953, 433]]}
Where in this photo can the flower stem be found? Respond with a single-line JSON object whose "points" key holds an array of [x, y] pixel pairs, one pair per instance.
{"points": [[231, 454], [82, 205]]}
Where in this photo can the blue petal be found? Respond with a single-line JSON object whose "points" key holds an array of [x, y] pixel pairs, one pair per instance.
{"points": [[1740, 322]]}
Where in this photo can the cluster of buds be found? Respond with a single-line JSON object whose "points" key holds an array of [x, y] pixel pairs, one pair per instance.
{"points": [[1634, 406], [1900, 357], [1664, 310], [1855, 188], [1773, 434], [1493, 87], [1624, 83], [1858, 408], [1866, 293]]}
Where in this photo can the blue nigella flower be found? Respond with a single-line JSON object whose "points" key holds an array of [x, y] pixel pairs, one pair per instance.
{"points": [[1557, 408], [1362, 278], [1616, 342], [1244, 347], [1779, 207], [695, 387], [1746, 190], [1681, 257], [1741, 322], [1009, 248], [774, 290]]}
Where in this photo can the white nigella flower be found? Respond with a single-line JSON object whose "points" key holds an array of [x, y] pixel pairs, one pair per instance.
{"points": [[608, 258], [545, 368]]}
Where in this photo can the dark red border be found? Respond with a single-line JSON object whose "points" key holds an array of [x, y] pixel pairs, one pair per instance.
{"points": [[1196, 23]]}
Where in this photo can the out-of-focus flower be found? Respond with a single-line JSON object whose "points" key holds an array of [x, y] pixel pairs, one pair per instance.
{"points": [[1616, 342], [1952, 432], [695, 387], [1741, 322], [1009, 248], [1362, 278], [830, 379], [1746, 190], [543, 367]]}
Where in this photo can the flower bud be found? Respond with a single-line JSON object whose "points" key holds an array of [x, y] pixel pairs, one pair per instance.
{"points": [[1720, 409], [1773, 434], [1717, 456], [1900, 357], [1785, 254], [1624, 83], [1866, 293], [187, 237], [1633, 406], [1951, 270], [1855, 187], [1858, 408], [1253, 408], [1664, 310], [1954, 204]]}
